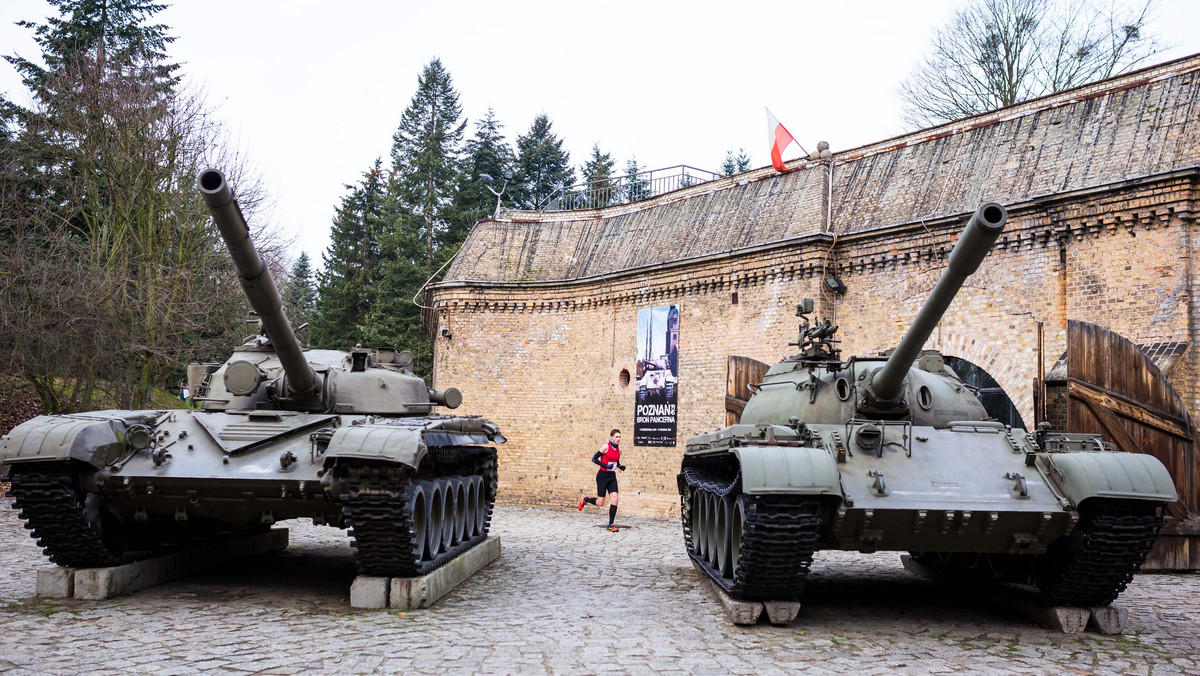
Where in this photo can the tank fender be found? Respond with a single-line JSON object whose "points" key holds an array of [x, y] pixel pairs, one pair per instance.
{"points": [[378, 442], [1128, 476], [46, 438], [788, 469]]}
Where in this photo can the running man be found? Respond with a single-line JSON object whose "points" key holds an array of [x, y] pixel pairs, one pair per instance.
{"points": [[609, 459]]}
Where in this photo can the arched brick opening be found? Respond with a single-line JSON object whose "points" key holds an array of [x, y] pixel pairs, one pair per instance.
{"points": [[1016, 384]]}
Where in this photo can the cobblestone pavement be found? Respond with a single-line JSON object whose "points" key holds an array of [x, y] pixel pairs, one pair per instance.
{"points": [[565, 597]]}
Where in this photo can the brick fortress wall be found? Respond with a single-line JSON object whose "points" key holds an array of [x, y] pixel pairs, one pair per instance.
{"points": [[541, 308]]}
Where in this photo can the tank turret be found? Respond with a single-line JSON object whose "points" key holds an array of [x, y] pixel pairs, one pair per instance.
{"points": [[273, 371]]}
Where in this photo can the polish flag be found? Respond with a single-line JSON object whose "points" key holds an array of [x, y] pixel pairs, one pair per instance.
{"points": [[779, 138]]}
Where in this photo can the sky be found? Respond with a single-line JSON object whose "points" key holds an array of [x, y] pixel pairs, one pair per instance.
{"points": [[310, 93]]}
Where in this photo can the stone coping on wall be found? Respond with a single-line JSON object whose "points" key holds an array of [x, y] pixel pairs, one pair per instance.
{"points": [[1125, 206], [1139, 124]]}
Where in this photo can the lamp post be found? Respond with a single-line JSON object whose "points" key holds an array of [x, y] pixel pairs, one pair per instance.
{"points": [[488, 181]]}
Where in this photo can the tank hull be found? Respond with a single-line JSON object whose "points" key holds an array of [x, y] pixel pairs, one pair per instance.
{"points": [[204, 474], [973, 496]]}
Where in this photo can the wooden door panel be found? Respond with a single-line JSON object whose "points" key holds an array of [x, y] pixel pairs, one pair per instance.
{"points": [[740, 372], [1116, 391]]}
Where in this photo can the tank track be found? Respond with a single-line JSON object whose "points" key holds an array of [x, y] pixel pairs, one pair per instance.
{"points": [[1101, 556], [55, 512], [377, 505], [1091, 566], [779, 538]]}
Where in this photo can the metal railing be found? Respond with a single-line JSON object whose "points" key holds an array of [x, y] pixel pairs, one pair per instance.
{"points": [[625, 189]]}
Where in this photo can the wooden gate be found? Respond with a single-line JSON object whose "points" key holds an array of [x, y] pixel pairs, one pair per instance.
{"points": [[1115, 390], [740, 372]]}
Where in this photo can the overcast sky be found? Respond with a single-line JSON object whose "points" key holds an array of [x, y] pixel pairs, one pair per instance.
{"points": [[311, 92]]}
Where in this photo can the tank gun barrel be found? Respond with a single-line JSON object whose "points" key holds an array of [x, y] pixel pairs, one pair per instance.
{"points": [[977, 238], [256, 281]]}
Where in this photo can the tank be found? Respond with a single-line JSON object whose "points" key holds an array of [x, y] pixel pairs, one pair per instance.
{"points": [[894, 452], [348, 439]]}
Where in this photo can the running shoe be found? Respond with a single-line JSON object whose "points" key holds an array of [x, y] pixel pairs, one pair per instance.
{"points": [[582, 502], [613, 529]]}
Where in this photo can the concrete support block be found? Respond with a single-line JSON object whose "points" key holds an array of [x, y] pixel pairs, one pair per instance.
{"points": [[910, 564], [1059, 618], [368, 591], [103, 583], [409, 593], [781, 612], [1108, 620], [56, 583], [740, 612]]}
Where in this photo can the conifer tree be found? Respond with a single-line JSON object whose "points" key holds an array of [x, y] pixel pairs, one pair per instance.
{"points": [[597, 174], [636, 187], [426, 153], [543, 164], [393, 320], [346, 285], [299, 294], [487, 153], [107, 33], [735, 164]]}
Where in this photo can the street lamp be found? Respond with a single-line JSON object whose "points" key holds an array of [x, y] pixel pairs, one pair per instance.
{"points": [[488, 182]]}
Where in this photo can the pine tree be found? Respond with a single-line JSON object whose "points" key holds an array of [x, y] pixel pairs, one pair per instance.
{"points": [[543, 164], [299, 294], [346, 285], [393, 319], [426, 153], [597, 174], [636, 187], [110, 34], [487, 153], [735, 164]]}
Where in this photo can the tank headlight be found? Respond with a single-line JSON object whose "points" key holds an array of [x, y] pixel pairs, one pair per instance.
{"points": [[138, 437], [868, 437]]}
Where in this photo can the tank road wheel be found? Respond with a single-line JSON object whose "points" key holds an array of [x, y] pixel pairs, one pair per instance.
{"points": [[1093, 564], [737, 523], [472, 508], [714, 519], [460, 520], [450, 499], [419, 507], [482, 507], [453, 513], [73, 527], [437, 519], [723, 565]]}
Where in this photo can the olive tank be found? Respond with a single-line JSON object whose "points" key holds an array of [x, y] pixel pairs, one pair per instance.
{"points": [[895, 453], [348, 439]]}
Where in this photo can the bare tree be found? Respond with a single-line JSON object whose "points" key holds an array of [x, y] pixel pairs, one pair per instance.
{"points": [[994, 53], [111, 273]]}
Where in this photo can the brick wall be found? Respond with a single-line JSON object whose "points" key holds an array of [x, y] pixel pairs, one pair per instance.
{"points": [[542, 315]]}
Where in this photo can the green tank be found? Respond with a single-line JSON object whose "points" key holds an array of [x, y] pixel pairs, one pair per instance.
{"points": [[348, 439], [896, 453]]}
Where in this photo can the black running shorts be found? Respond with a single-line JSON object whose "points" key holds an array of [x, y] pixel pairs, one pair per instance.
{"points": [[606, 482]]}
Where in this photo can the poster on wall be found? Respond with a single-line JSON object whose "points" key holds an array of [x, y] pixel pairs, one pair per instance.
{"points": [[657, 376]]}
